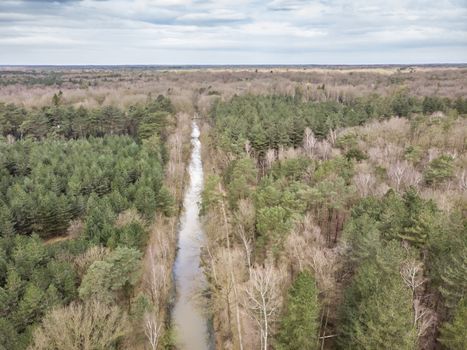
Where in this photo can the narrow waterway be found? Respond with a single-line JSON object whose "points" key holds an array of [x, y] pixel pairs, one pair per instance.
{"points": [[191, 323]]}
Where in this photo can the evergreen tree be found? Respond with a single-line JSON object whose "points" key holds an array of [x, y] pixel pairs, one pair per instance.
{"points": [[377, 308], [113, 277], [453, 334], [300, 323], [454, 276]]}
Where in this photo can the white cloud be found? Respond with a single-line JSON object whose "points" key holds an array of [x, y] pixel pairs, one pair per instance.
{"points": [[222, 31]]}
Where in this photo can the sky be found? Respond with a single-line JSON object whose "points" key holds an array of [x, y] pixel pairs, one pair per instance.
{"points": [[174, 32]]}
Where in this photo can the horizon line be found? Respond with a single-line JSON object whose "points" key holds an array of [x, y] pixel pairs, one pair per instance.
{"points": [[243, 65]]}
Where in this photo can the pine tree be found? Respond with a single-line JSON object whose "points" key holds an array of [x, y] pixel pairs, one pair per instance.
{"points": [[454, 276], [377, 308], [300, 322], [453, 334], [113, 277]]}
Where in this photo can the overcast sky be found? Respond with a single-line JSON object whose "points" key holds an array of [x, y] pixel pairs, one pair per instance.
{"points": [[232, 32]]}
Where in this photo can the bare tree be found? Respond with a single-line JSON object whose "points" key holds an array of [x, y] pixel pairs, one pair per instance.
{"points": [[462, 180], [233, 280], [364, 183], [396, 173], [152, 329], [332, 137], [309, 142], [92, 254], [412, 274], [424, 317], [402, 173], [248, 148], [88, 326], [270, 157], [263, 299], [245, 218], [323, 149]]}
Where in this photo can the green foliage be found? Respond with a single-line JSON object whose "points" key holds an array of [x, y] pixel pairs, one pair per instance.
{"points": [[377, 308], [420, 219], [453, 334], [46, 184], [69, 164], [140, 121], [278, 205], [338, 166], [293, 169], [402, 103], [300, 322], [132, 235], [241, 179], [272, 224], [406, 217], [433, 104], [210, 197], [355, 153], [439, 170], [272, 121], [454, 274], [413, 154], [447, 259], [32, 281], [112, 278], [363, 238], [461, 105]]}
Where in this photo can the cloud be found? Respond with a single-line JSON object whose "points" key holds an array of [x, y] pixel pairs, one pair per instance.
{"points": [[221, 31]]}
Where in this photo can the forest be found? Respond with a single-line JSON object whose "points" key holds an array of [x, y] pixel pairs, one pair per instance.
{"points": [[80, 190], [334, 208], [349, 220]]}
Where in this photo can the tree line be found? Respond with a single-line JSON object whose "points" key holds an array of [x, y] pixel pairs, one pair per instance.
{"points": [[60, 121], [272, 121]]}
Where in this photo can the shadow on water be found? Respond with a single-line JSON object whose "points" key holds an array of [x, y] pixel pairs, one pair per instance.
{"points": [[189, 317]]}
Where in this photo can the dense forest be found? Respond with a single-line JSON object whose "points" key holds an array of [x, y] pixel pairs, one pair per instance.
{"points": [[343, 224], [79, 192], [334, 207]]}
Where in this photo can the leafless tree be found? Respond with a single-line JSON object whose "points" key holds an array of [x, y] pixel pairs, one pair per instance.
{"points": [[403, 173], [263, 299], [412, 274], [462, 180], [364, 183], [270, 157], [309, 142], [424, 317], [248, 148], [245, 222], [332, 137], [432, 154], [152, 329], [231, 268], [323, 149], [92, 254], [396, 172], [88, 326]]}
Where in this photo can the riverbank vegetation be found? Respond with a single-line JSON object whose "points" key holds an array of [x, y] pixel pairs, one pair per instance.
{"points": [[85, 197], [336, 224]]}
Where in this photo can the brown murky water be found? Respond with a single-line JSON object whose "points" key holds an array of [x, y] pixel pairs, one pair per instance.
{"points": [[189, 319]]}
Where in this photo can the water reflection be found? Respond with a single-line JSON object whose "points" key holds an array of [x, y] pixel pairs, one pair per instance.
{"points": [[190, 322]]}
